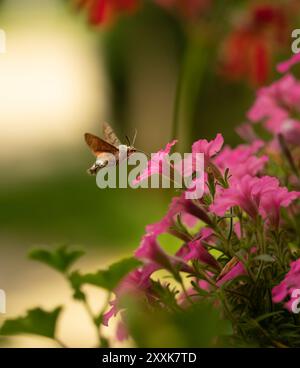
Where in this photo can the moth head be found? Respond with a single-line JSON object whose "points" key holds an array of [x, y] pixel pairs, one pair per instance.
{"points": [[98, 165], [93, 170]]}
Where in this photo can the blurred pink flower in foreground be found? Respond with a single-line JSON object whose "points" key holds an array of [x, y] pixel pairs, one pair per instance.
{"points": [[135, 283]]}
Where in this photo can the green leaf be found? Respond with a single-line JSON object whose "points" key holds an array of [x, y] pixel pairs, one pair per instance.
{"points": [[107, 279], [165, 293], [36, 322], [61, 259], [264, 258]]}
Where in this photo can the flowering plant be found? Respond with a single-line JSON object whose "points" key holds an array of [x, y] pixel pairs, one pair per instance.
{"points": [[234, 273], [224, 269], [243, 256]]}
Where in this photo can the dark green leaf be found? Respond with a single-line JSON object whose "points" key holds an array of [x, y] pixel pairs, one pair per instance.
{"points": [[107, 279], [36, 322], [61, 258]]}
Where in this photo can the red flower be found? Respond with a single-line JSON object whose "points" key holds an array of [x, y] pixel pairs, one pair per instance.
{"points": [[248, 50], [187, 8], [101, 11]]}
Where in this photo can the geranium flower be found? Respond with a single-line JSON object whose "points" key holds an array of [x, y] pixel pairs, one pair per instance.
{"points": [[247, 51], [186, 8], [101, 11], [290, 283]]}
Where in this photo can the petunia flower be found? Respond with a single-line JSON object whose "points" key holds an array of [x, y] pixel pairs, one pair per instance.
{"points": [[272, 201], [274, 104], [155, 165], [285, 66], [241, 160], [150, 252], [136, 283], [208, 148], [256, 196], [290, 283], [237, 270], [196, 250], [190, 214]]}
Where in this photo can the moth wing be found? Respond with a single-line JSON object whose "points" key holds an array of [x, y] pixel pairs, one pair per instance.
{"points": [[98, 145], [107, 159], [110, 136]]}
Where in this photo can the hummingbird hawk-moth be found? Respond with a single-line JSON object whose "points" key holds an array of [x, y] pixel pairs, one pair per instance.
{"points": [[103, 149]]}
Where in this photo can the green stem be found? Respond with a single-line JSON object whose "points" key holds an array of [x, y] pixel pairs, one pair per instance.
{"points": [[177, 104], [93, 319], [185, 292], [60, 343]]}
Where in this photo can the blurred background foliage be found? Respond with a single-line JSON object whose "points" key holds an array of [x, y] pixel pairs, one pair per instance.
{"points": [[61, 77]]}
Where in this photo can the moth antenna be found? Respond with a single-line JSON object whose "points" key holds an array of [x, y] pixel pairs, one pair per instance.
{"points": [[128, 140], [134, 137], [147, 154]]}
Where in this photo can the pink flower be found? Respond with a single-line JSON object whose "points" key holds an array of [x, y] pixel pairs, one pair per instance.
{"points": [[246, 132], [208, 148], [272, 201], [196, 250], [290, 282], [256, 196], [179, 206], [285, 66], [245, 193], [274, 103], [122, 332], [149, 251], [241, 161], [290, 129], [237, 270], [155, 165], [135, 283]]}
